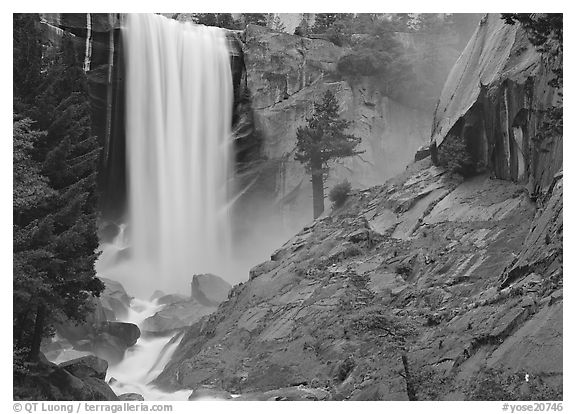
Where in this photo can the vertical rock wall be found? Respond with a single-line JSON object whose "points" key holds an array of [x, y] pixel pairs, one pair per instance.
{"points": [[285, 75], [98, 42], [277, 77], [494, 98]]}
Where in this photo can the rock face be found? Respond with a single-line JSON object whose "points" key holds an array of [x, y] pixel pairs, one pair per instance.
{"points": [[98, 42], [210, 290], [494, 98], [207, 292], [457, 281], [276, 79], [101, 334], [440, 269], [285, 75], [176, 315], [78, 380], [114, 300], [85, 367]]}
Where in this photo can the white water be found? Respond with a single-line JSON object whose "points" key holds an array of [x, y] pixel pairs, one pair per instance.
{"points": [[178, 119], [144, 361]]}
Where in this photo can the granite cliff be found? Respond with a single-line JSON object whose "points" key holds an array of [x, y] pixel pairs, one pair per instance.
{"points": [[428, 286], [277, 77], [495, 99], [285, 74]]}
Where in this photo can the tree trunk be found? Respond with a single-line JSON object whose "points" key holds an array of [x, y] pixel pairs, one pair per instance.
{"points": [[409, 384], [318, 194], [38, 330], [317, 186], [19, 328]]}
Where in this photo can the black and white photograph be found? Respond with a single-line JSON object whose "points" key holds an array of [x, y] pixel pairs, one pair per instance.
{"points": [[287, 207]]}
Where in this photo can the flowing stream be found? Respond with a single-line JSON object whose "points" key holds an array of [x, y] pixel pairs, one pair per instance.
{"points": [[145, 360]]}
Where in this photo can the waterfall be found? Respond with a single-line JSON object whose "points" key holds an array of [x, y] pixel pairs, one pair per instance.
{"points": [[178, 120]]}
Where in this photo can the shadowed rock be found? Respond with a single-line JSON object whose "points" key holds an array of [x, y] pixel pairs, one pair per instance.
{"points": [[130, 396], [88, 366], [210, 290]]}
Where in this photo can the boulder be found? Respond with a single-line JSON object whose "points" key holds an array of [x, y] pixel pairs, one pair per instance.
{"points": [[157, 294], [130, 396], [107, 340], [207, 394], [115, 299], [172, 298], [97, 390], [85, 367], [210, 290], [101, 334], [51, 382], [113, 340], [176, 315], [128, 333]]}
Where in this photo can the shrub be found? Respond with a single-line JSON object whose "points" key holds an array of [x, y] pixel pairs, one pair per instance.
{"points": [[339, 193], [364, 62], [453, 154], [404, 270]]}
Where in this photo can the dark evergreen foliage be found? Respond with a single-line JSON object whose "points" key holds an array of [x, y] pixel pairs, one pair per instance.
{"points": [[54, 232], [375, 52], [255, 18], [545, 32], [339, 193], [323, 21], [27, 60], [224, 20], [454, 155], [321, 140]]}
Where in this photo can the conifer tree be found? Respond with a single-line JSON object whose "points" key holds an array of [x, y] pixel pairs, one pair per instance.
{"points": [[277, 24], [55, 238], [323, 21], [27, 60], [255, 18], [321, 140], [224, 20]]}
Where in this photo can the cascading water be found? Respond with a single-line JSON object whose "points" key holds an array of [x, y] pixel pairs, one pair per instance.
{"points": [[179, 148], [178, 120], [145, 360]]}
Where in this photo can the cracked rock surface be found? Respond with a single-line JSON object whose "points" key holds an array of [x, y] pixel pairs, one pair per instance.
{"points": [[459, 276]]}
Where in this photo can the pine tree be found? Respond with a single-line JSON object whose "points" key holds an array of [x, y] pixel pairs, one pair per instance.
{"points": [[321, 140], [224, 20], [31, 193], [27, 60], [277, 24], [255, 18], [303, 29], [323, 21], [55, 238]]}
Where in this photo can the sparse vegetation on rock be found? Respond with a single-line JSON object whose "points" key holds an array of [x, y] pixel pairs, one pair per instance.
{"points": [[339, 193], [454, 155], [321, 140]]}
